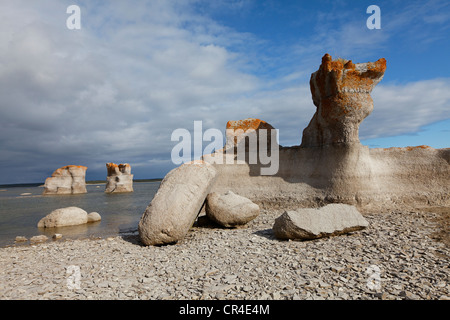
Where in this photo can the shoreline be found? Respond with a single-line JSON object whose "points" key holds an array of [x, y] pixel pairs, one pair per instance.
{"points": [[246, 263]]}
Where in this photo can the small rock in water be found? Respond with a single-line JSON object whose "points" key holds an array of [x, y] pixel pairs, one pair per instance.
{"points": [[57, 236], [94, 217], [21, 239], [41, 238]]}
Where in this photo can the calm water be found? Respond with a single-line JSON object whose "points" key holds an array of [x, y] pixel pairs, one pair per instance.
{"points": [[19, 214]]}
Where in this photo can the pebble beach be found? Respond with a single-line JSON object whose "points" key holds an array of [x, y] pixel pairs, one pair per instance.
{"points": [[401, 255]]}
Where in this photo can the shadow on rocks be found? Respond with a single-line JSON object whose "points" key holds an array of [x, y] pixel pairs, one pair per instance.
{"points": [[266, 233]]}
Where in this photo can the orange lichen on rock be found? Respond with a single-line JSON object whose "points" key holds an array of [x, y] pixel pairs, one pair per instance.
{"points": [[117, 169], [249, 123], [66, 180], [61, 171], [341, 92], [418, 147], [422, 147], [119, 178], [237, 131]]}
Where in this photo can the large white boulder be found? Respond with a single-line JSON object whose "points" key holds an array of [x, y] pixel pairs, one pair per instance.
{"points": [[310, 223], [177, 203], [229, 209]]}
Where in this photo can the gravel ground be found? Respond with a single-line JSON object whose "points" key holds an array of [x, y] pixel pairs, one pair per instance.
{"points": [[396, 257]]}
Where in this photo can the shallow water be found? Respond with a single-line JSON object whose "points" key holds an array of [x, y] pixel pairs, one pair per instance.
{"points": [[19, 214]]}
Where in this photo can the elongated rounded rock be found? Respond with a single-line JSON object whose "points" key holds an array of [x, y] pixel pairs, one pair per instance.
{"points": [[177, 203]]}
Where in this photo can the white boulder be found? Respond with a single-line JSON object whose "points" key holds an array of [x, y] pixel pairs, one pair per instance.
{"points": [[70, 216], [229, 209]]}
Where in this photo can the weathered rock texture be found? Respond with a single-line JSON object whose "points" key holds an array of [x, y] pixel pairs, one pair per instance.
{"points": [[307, 224], [249, 129], [66, 180], [70, 216], [119, 178], [177, 203], [341, 92], [331, 165], [230, 210]]}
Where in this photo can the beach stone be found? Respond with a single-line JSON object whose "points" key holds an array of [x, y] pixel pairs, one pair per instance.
{"points": [[57, 236], [41, 238], [21, 239], [177, 203], [311, 223], [63, 217], [230, 209], [94, 217]]}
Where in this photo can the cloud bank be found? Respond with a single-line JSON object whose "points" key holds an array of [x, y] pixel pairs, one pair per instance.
{"points": [[116, 89]]}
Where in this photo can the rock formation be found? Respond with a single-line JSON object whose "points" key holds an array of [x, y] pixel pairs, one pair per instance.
{"points": [[249, 129], [177, 203], [341, 92], [70, 216], [230, 210], [331, 165], [66, 180], [309, 223], [119, 178]]}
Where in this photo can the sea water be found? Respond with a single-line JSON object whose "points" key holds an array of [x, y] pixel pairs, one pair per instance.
{"points": [[21, 208]]}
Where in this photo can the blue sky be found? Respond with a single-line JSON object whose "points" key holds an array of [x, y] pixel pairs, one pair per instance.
{"points": [[115, 90]]}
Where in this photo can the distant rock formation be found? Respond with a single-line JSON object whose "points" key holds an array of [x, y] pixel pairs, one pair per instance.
{"points": [[66, 180], [119, 178], [230, 210]]}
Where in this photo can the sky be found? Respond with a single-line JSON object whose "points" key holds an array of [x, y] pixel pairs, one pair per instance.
{"points": [[115, 89]]}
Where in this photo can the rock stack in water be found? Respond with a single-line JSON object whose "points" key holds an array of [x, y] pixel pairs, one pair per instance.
{"points": [[119, 178], [66, 180]]}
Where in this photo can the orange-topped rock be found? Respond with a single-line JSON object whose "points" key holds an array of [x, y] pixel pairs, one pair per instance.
{"points": [[341, 92], [237, 130], [119, 178], [118, 168], [66, 180], [247, 124]]}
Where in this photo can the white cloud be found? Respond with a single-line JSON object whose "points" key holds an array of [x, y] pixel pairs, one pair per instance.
{"points": [[405, 108], [116, 89]]}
